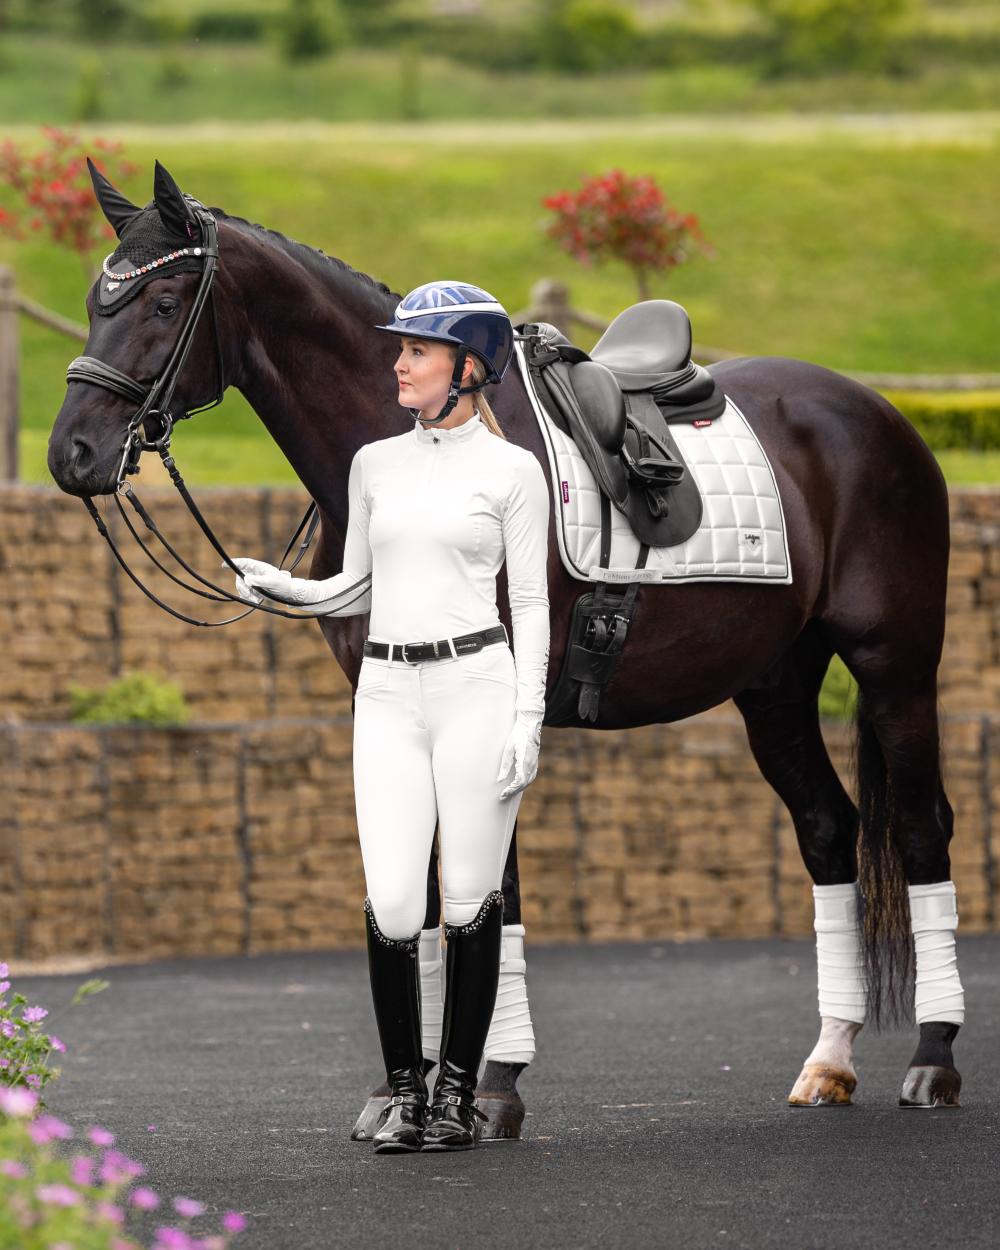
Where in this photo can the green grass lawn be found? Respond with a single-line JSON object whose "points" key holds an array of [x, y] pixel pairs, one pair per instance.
{"points": [[873, 247]]}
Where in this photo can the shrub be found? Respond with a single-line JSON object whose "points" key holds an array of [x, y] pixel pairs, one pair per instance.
{"points": [[968, 420], [136, 699], [25, 1048], [305, 34], [586, 35], [49, 1200], [616, 217], [824, 35]]}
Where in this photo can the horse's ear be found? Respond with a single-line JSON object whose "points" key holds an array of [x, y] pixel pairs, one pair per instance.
{"points": [[118, 210], [174, 209]]}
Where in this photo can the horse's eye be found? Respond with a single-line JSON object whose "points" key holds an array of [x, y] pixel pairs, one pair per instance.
{"points": [[166, 306]]}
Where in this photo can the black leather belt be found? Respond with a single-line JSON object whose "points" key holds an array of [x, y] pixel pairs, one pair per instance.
{"points": [[416, 652]]}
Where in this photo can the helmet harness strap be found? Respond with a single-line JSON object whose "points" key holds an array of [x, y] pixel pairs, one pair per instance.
{"points": [[455, 390]]}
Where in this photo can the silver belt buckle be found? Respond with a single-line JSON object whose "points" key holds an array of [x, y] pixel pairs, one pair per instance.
{"points": [[406, 659]]}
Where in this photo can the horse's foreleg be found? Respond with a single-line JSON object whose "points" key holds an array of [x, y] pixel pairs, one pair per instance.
{"points": [[510, 1043], [782, 720]]}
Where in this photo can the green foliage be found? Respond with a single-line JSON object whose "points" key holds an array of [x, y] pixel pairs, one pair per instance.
{"points": [[137, 699], [88, 101], [306, 32], [839, 696], [962, 419], [824, 35], [585, 35]]}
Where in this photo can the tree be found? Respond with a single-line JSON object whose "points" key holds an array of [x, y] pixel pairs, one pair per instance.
{"points": [[53, 193], [616, 217]]}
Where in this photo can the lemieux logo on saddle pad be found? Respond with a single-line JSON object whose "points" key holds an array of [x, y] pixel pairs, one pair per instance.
{"points": [[741, 536]]}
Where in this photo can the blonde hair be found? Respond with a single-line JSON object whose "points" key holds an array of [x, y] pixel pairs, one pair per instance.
{"points": [[486, 413]]}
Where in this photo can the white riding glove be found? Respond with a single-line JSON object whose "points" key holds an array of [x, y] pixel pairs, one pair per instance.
{"points": [[328, 597], [520, 753]]}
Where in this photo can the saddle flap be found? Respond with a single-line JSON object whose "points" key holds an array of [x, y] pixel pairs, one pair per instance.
{"points": [[600, 400]]}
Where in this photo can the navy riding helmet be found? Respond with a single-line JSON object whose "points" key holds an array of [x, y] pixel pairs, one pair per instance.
{"points": [[464, 315]]}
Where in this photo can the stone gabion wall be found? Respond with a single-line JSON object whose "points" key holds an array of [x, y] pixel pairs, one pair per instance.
{"points": [[69, 614], [132, 844]]}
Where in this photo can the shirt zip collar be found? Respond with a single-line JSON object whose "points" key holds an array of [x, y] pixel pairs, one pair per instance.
{"points": [[457, 434]]}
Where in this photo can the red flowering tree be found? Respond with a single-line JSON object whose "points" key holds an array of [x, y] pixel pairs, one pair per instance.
{"points": [[49, 190], [616, 217]]}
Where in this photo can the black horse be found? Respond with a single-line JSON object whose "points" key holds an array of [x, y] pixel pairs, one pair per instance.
{"points": [[867, 518]]}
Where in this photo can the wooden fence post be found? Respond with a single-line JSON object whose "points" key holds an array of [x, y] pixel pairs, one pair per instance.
{"points": [[550, 302], [8, 376]]}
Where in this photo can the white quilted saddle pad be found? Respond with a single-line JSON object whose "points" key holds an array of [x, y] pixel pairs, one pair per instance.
{"points": [[742, 532]]}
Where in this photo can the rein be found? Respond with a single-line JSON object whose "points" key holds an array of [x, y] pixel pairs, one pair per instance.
{"points": [[154, 402]]}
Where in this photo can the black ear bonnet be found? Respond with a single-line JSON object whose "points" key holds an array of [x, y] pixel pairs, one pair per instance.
{"points": [[154, 241], [144, 240]]}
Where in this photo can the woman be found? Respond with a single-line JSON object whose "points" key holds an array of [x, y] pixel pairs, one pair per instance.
{"points": [[447, 731]]}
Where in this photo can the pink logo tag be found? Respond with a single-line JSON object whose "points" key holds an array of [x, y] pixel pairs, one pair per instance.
{"points": [[565, 492]]}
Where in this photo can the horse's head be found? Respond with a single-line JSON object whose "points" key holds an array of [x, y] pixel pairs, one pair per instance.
{"points": [[138, 309]]}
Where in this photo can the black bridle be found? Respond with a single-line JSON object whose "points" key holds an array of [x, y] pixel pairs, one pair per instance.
{"points": [[155, 403]]}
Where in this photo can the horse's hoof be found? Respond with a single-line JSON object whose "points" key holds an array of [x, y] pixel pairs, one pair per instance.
{"points": [[820, 1086], [367, 1122], [930, 1087], [505, 1112]]}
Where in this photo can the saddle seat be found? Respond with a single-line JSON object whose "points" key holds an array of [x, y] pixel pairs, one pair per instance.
{"points": [[617, 404]]}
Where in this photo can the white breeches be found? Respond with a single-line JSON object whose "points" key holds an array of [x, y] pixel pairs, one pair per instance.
{"points": [[427, 745]]}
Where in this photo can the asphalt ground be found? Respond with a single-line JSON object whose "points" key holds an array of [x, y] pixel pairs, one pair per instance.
{"points": [[656, 1107]]}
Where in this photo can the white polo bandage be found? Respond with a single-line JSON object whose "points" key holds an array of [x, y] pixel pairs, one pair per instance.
{"points": [[431, 1004], [934, 919], [511, 1038], [839, 961]]}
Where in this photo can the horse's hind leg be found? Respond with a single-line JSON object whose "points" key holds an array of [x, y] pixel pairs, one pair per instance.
{"points": [[907, 827], [782, 720]]}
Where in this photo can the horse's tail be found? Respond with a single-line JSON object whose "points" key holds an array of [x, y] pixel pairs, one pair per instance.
{"points": [[888, 946]]}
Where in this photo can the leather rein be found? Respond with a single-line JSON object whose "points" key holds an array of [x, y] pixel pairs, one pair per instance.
{"points": [[155, 402]]}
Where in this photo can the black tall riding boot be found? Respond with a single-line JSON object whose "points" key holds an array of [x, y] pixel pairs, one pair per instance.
{"points": [[395, 976], [471, 976]]}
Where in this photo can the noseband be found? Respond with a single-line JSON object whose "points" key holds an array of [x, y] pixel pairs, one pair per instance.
{"points": [[155, 402]]}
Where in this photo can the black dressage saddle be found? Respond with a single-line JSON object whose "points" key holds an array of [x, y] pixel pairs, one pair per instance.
{"points": [[618, 404]]}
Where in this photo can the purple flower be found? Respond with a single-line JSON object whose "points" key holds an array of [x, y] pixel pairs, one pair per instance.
{"points": [[187, 1208], [8, 1028], [4, 987], [4, 1063], [100, 1136], [33, 1015], [82, 1170], [47, 1128], [171, 1239], [234, 1222], [17, 1101], [10, 1167], [56, 1044], [58, 1195], [150, 1128], [33, 1080], [4, 970], [108, 1211], [144, 1199], [129, 1167]]}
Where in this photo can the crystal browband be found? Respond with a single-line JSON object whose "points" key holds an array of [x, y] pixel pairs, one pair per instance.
{"points": [[150, 264]]}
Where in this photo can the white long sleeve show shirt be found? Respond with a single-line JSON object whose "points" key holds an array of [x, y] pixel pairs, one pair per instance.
{"points": [[433, 515]]}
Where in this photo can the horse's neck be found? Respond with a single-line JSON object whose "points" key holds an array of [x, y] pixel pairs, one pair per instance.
{"points": [[310, 368]]}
